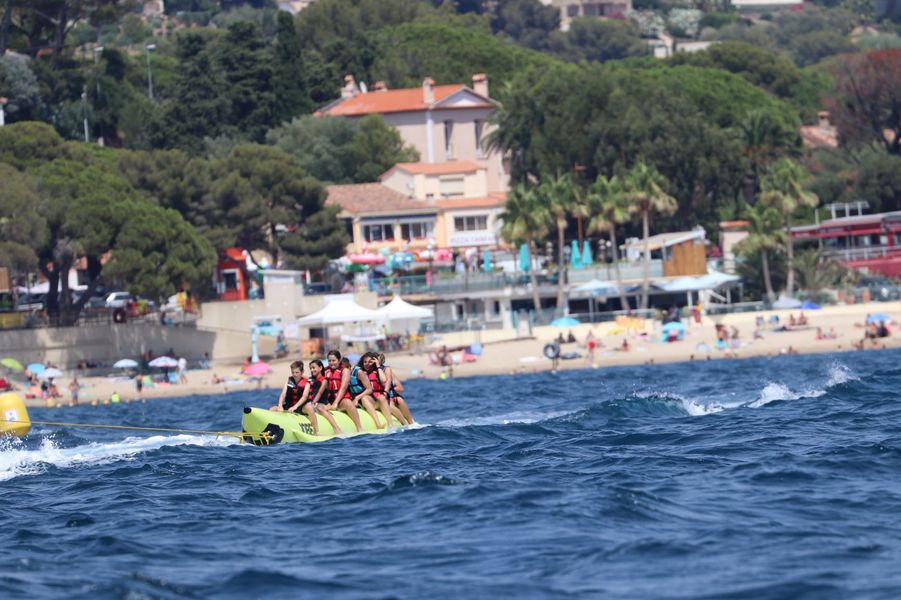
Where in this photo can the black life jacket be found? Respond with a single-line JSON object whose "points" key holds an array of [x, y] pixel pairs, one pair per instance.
{"points": [[315, 384], [295, 391]]}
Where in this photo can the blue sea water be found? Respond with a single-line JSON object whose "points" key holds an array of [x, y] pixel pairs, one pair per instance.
{"points": [[759, 478]]}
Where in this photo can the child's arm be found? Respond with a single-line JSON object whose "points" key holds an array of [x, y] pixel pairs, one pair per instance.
{"points": [[367, 386], [303, 396]]}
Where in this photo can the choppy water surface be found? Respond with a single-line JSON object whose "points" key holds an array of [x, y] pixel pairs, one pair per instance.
{"points": [[762, 478]]}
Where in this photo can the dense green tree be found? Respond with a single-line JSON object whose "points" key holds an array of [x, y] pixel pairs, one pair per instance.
{"points": [[596, 40], [199, 106], [376, 147], [157, 253], [524, 221], [289, 74], [813, 47], [448, 54], [327, 20], [320, 145], [527, 22], [22, 228], [783, 188], [19, 86], [264, 201], [249, 90], [764, 139], [645, 189], [29, 144], [878, 181]]}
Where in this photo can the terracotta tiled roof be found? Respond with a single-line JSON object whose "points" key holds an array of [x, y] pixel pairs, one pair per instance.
{"points": [[818, 136], [495, 200], [389, 101], [372, 198], [442, 168]]}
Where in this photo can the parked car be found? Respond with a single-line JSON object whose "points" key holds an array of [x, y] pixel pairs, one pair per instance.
{"points": [[319, 287], [118, 299], [881, 288]]}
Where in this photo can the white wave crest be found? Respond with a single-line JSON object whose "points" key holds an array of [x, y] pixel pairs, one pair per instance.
{"points": [[523, 417], [16, 460], [839, 373]]}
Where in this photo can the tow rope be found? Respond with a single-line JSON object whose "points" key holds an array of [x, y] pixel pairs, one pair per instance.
{"points": [[263, 437]]}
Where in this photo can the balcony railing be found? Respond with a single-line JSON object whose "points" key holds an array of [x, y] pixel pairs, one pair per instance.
{"points": [[848, 254]]}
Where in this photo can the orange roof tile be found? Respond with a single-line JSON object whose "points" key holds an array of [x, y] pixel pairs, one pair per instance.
{"points": [[389, 101], [372, 198], [442, 168], [495, 200]]}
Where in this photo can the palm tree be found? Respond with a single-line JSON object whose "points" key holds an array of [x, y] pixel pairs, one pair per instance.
{"points": [[783, 188], [644, 187], [764, 234], [608, 207], [763, 140], [559, 195], [525, 220]]}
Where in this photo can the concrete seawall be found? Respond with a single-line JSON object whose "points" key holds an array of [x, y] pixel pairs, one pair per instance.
{"points": [[66, 346]]}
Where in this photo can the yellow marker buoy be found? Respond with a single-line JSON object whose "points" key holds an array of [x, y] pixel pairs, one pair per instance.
{"points": [[13, 415]]}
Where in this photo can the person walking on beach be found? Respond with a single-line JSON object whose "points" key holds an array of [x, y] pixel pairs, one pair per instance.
{"points": [[182, 370], [73, 390]]}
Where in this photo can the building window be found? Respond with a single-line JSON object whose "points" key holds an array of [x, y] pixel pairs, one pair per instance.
{"points": [[378, 232], [418, 230], [449, 140], [478, 131], [230, 280], [477, 223], [592, 10], [452, 187], [572, 11]]}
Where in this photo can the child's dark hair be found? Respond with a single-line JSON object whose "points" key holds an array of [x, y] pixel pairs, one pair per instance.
{"points": [[297, 364], [334, 353], [345, 363], [381, 358], [316, 362]]}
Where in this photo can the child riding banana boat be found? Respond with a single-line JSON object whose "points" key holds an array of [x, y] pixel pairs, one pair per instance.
{"points": [[336, 393]]}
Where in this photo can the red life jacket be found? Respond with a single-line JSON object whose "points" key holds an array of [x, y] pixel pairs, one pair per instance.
{"points": [[333, 377], [375, 381], [295, 391]]}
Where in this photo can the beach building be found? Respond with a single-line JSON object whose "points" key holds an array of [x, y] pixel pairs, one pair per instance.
{"points": [[445, 123], [868, 243], [573, 9], [680, 253]]}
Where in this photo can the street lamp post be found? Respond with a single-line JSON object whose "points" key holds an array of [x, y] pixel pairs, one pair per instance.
{"points": [[84, 110], [3, 102], [147, 49], [97, 52]]}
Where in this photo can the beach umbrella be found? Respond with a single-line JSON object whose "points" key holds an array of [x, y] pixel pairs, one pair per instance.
{"points": [[878, 318], [486, 261], [810, 306], [163, 362], [125, 363], [36, 368], [565, 322], [575, 257], [524, 258], [257, 369], [51, 373], [12, 364], [587, 260], [786, 302]]}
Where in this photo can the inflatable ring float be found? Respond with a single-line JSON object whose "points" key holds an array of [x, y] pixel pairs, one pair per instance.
{"points": [[119, 315], [552, 350]]}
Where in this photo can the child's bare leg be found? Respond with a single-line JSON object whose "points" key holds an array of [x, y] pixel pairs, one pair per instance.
{"points": [[311, 414], [384, 406], [369, 407], [402, 405], [348, 406], [328, 417], [395, 412]]}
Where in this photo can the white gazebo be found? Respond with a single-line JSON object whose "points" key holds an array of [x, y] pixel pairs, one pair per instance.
{"points": [[403, 315], [341, 312]]}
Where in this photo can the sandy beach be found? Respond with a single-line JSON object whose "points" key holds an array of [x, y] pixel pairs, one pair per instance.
{"points": [[503, 353]]}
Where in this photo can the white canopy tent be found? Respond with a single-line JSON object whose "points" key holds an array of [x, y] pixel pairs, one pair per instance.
{"points": [[338, 312], [344, 317], [404, 316]]}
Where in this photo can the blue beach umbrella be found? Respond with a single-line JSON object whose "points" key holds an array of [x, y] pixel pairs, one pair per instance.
{"points": [[575, 258], [486, 261], [565, 322], [524, 258], [878, 318], [587, 260], [36, 368]]}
